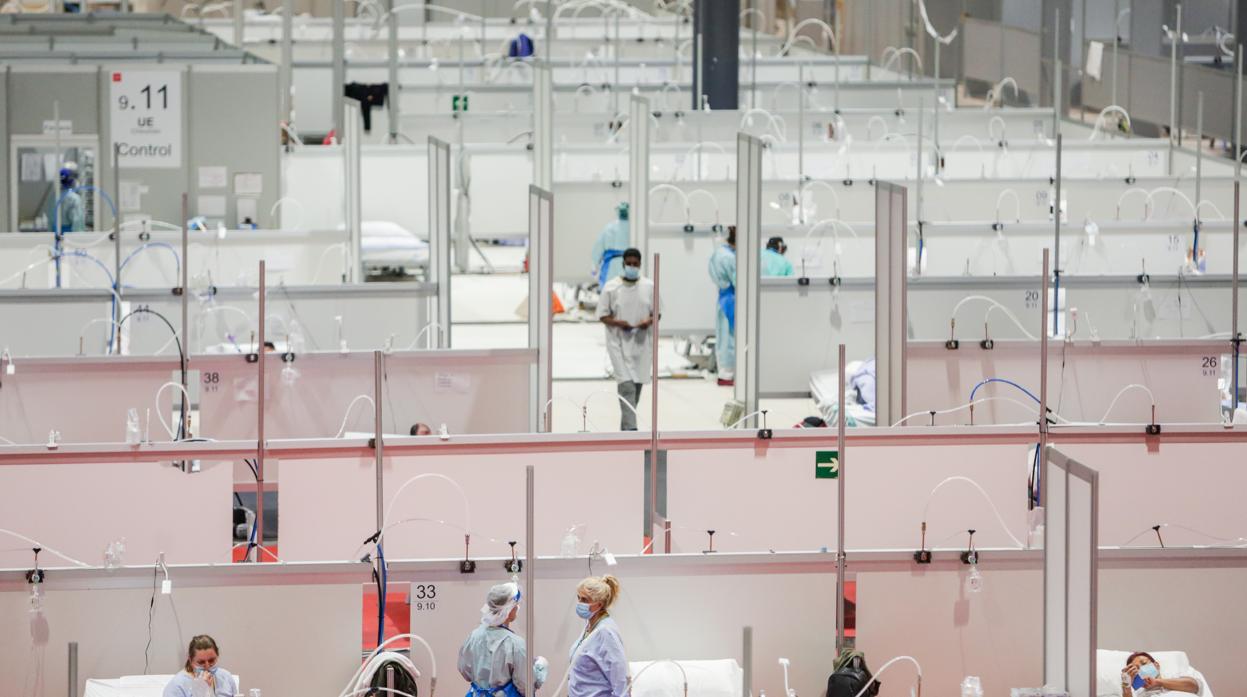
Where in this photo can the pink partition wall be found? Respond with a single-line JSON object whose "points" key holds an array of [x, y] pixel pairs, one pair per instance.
{"points": [[997, 634], [760, 499], [86, 400], [928, 614], [1184, 383], [302, 640], [469, 391], [79, 509], [329, 506], [1196, 488]]}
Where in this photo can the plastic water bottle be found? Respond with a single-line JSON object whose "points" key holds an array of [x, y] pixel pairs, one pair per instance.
{"points": [[133, 435], [971, 686]]}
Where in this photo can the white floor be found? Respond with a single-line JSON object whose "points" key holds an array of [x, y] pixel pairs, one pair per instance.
{"points": [[488, 312]]}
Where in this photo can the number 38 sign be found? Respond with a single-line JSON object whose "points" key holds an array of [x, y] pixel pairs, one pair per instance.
{"points": [[145, 111]]}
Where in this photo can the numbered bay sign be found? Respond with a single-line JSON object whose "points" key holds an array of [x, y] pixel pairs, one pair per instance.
{"points": [[145, 112]]}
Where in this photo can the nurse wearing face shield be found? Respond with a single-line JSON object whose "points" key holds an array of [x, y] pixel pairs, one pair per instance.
{"points": [[493, 657], [201, 676]]}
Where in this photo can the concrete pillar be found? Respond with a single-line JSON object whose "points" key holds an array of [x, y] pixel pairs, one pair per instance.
{"points": [[716, 52]]}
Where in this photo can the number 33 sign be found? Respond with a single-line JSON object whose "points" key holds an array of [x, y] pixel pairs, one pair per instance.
{"points": [[145, 115]]}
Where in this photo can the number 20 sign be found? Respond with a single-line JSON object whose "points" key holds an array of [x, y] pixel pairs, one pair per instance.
{"points": [[145, 115]]}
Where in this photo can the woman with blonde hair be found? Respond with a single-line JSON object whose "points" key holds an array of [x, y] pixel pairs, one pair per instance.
{"points": [[201, 675], [599, 667]]}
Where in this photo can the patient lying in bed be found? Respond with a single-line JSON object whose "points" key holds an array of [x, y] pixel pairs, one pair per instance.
{"points": [[1143, 676]]}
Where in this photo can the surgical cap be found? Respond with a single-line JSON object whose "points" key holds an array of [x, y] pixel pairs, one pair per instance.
{"points": [[499, 603]]}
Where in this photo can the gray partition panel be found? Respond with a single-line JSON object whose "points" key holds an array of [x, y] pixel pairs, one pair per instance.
{"points": [[1071, 567], [982, 44]]}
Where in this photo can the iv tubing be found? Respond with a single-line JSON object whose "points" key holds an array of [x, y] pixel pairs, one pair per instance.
{"points": [[898, 52], [966, 137], [441, 332], [965, 406], [169, 429], [777, 123], [713, 201], [820, 182], [1017, 204], [467, 515], [432, 662], [1147, 201], [827, 32], [1151, 195], [984, 298], [991, 133], [1132, 386], [987, 315], [875, 678], [45, 548], [1099, 120], [926, 509], [871, 122], [633, 678], [1006, 382], [346, 417]]}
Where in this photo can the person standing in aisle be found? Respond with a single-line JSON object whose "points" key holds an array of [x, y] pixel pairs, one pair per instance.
{"points": [[626, 307], [723, 273]]}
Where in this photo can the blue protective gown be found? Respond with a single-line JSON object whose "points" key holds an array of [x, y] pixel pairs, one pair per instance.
{"points": [[73, 214], [609, 248], [775, 264], [723, 272], [182, 685], [599, 668]]}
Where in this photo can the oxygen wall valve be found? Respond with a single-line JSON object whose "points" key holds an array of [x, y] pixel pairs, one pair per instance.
{"points": [[923, 555], [36, 575], [467, 566], [710, 533], [952, 344], [764, 433], [971, 555], [513, 565], [987, 344]]}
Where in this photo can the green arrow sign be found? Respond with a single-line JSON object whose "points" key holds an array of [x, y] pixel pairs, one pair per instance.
{"points": [[827, 464]]}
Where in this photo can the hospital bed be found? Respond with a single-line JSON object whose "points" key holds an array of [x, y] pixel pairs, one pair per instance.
{"points": [[825, 384], [1109, 663], [134, 686], [389, 249], [715, 678]]}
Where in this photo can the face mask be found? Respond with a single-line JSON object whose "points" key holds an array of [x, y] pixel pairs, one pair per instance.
{"points": [[583, 611], [1149, 671], [631, 273]]}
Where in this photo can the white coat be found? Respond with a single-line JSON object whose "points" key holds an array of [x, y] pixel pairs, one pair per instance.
{"points": [[630, 350]]}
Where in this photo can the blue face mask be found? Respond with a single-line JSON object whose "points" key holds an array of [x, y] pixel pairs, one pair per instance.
{"points": [[631, 273], [1149, 671], [583, 611]]}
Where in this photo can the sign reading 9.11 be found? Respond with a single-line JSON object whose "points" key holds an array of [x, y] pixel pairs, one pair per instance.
{"points": [[145, 112]]}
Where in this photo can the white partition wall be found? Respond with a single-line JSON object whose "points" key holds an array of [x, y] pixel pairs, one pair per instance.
{"points": [[748, 291], [439, 237], [1071, 568], [891, 301], [540, 303]]}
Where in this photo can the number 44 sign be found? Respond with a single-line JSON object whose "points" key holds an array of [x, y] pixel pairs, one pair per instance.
{"points": [[145, 113]]}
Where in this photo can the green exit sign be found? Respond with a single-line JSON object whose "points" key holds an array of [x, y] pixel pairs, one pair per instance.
{"points": [[827, 464]]}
